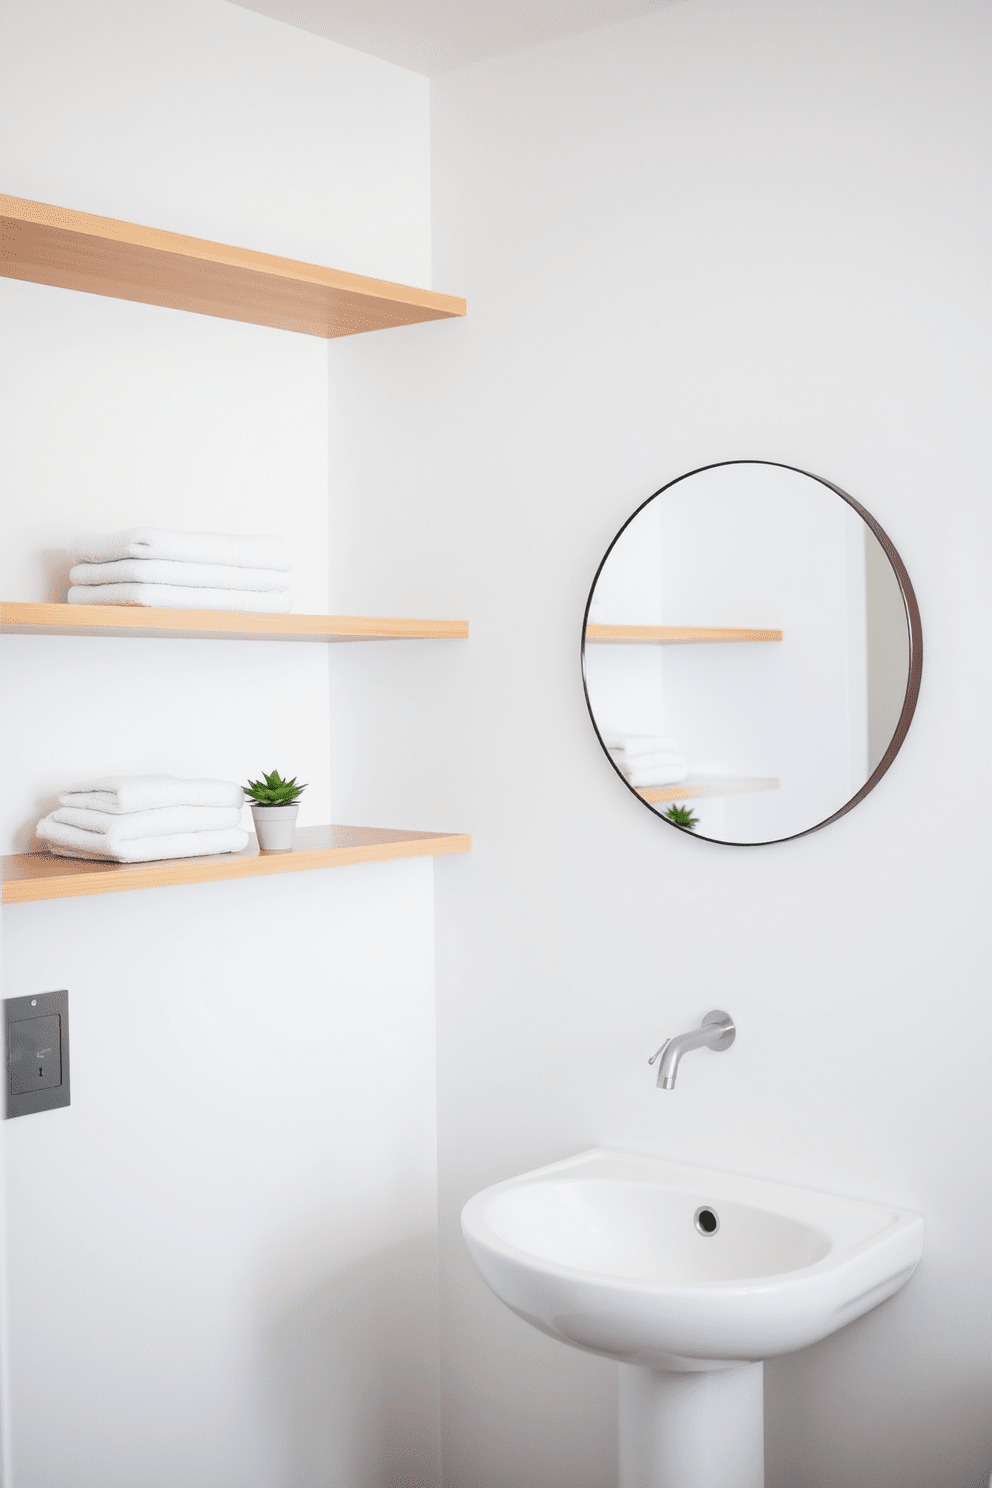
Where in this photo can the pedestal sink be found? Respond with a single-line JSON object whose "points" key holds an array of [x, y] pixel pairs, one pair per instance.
{"points": [[690, 1278]]}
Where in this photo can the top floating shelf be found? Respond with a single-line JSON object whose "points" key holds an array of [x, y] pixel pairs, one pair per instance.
{"points": [[135, 620], [75, 250], [667, 635]]}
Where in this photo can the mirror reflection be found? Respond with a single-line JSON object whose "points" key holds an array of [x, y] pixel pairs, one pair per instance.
{"points": [[751, 652]]}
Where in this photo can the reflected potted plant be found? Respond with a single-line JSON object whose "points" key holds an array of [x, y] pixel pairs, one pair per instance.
{"points": [[274, 809], [682, 817]]}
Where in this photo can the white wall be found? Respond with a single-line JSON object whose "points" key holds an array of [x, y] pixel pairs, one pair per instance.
{"points": [[198, 118], [221, 1259], [722, 230], [728, 229]]}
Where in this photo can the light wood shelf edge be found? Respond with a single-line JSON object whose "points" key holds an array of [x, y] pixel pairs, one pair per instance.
{"points": [[22, 618], [48, 244], [676, 634], [709, 786], [30, 877]]}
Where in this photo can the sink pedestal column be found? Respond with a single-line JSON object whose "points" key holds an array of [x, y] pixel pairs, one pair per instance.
{"points": [[699, 1430]]}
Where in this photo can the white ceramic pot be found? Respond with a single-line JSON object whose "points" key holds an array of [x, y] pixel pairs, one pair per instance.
{"points": [[274, 827]]}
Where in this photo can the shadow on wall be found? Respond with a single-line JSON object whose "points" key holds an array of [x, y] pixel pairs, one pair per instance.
{"points": [[56, 564], [355, 1374], [25, 838], [805, 1424]]}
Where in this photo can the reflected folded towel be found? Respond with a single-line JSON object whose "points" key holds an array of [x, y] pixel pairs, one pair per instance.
{"points": [[118, 794], [179, 597], [166, 571], [130, 824], [663, 773], [647, 761], [258, 550], [632, 746], [73, 842]]}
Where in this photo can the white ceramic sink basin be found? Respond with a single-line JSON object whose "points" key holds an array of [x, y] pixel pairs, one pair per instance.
{"points": [[603, 1252]]}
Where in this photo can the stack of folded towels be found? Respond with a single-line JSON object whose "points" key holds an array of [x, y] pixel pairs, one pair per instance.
{"points": [[647, 759], [138, 818], [182, 570]]}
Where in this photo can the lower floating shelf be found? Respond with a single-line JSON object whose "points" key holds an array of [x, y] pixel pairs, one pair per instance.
{"points": [[31, 876], [694, 788]]}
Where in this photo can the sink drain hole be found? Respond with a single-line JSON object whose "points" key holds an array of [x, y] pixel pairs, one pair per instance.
{"points": [[706, 1221]]}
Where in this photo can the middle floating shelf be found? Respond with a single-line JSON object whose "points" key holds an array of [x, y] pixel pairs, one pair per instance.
{"points": [[666, 635], [17, 618]]}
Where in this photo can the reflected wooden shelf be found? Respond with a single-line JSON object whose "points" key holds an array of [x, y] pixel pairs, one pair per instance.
{"points": [[18, 618], [695, 787], [32, 876], [101, 255], [668, 635]]}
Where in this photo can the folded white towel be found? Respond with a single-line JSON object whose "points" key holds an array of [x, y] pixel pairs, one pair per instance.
{"points": [[178, 597], [166, 571], [73, 842], [630, 746], [126, 793], [257, 550], [127, 825]]}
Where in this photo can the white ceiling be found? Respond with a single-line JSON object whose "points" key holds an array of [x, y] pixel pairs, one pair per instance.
{"points": [[432, 36]]}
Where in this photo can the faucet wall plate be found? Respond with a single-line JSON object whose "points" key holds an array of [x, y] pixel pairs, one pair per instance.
{"points": [[718, 1016], [37, 1052]]}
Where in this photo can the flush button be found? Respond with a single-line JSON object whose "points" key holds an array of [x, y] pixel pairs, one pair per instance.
{"points": [[37, 1052]]}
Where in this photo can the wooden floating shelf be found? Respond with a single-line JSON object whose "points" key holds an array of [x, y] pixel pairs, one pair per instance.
{"points": [[668, 635], [695, 788], [18, 618], [32, 876], [100, 255]]}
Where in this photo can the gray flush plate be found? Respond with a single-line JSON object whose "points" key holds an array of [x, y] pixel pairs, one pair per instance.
{"points": [[37, 1052]]}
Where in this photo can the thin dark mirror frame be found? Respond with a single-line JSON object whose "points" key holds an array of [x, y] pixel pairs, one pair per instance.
{"points": [[913, 625]]}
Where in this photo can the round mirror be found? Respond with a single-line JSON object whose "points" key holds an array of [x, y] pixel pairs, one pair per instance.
{"points": [[751, 652]]}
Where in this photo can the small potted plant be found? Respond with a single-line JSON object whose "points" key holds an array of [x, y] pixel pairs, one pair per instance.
{"points": [[274, 809]]}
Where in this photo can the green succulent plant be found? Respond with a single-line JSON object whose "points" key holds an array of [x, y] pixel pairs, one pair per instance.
{"points": [[682, 817], [272, 790]]}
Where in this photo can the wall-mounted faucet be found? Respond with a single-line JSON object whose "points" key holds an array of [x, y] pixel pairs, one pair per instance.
{"points": [[718, 1032]]}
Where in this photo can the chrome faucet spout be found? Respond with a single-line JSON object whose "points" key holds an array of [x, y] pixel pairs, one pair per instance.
{"points": [[668, 1065], [717, 1032]]}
